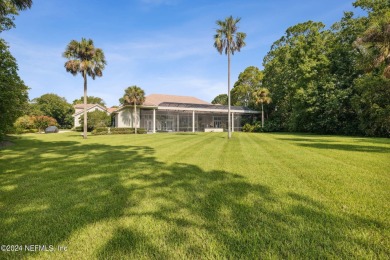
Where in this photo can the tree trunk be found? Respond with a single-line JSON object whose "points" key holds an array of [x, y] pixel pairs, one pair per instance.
{"points": [[229, 122], [85, 104], [262, 116], [135, 117]]}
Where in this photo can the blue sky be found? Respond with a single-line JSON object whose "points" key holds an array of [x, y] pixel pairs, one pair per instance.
{"points": [[163, 46]]}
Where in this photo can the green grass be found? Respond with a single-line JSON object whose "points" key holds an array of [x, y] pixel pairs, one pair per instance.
{"points": [[197, 196]]}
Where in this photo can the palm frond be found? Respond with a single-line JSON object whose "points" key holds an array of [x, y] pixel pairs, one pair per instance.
{"points": [[134, 95], [91, 59], [227, 39]]}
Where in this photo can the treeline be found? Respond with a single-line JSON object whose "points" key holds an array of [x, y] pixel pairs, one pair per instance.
{"points": [[335, 80], [329, 81]]}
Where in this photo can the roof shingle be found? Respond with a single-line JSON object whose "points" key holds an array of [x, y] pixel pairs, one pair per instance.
{"points": [[156, 99]]}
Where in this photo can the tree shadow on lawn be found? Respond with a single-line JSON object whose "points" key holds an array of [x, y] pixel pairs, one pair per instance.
{"points": [[161, 210], [309, 141]]}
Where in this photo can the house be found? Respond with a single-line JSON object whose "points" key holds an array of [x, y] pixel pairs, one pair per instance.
{"points": [[79, 111], [171, 113]]}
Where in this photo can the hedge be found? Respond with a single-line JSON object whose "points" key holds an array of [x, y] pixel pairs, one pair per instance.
{"points": [[109, 130]]}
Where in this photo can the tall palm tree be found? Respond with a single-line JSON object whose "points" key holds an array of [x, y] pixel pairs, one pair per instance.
{"points": [[134, 95], [87, 60], [376, 44], [228, 40], [261, 97]]}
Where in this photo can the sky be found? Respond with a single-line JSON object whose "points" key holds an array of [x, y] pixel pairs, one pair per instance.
{"points": [[162, 46]]}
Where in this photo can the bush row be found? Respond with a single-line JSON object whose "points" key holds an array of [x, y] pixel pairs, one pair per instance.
{"points": [[269, 126], [112, 130]]}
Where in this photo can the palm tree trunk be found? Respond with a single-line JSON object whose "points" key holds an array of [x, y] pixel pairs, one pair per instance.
{"points": [[229, 131], [85, 104], [135, 117], [262, 116]]}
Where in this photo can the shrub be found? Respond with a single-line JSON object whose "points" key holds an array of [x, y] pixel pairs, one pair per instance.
{"points": [[122, 130], [141, 131], [108, 130], [247, 128], [256, 127], [30, 124], [23, 123], [96, 119], [41, 122], [101, 131]]}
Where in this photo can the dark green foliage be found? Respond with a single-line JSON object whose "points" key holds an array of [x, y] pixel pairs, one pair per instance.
{"points": [[221, 99], [373, 7], [8, 10], [54, 106], [256, 127], [318, 78], [90, 100], [372, 104], [248, 81], [296, 73], [13, 91], [96, 119]]}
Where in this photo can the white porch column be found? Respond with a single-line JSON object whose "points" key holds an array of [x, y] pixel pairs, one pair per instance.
{"points": [[154, 121], [232, 121], [193, 121], [178, 123]]}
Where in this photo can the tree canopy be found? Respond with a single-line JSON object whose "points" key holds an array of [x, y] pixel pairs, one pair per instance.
{"points": [[221, 99], [13, 91], [248, 81], [90, 100], [8, 10], [96, 119], [55, 106], [332, 80]]}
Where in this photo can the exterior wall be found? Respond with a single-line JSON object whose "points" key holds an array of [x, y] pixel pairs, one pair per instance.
{"points": [[76, 120], [125, 118], [77, 117]]}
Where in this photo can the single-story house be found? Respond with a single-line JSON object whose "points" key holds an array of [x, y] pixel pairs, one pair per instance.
{"points": [[171, 113]]}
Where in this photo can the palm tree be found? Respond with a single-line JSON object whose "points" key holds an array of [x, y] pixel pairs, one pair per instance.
{"points": [[134, 95], [228, 40], [18, 4], [85, 59], [261, 97], [376, 43]]}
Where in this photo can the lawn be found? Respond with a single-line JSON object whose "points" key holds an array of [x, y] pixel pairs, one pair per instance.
{"points": [[197, 196]]}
